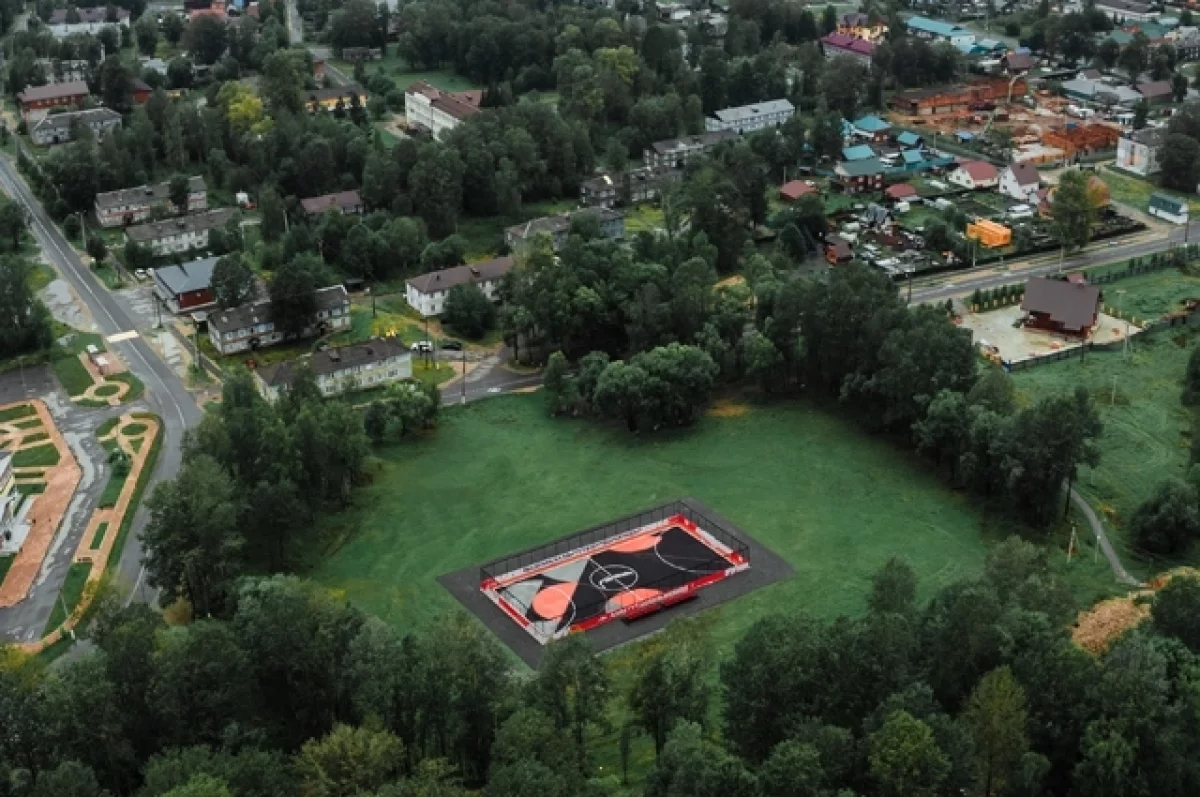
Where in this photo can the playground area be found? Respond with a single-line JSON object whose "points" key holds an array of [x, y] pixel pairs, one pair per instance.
{"points": [[999, 334]]}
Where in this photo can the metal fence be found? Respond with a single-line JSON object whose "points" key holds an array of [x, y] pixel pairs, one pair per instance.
{"points": [[592, 538]]}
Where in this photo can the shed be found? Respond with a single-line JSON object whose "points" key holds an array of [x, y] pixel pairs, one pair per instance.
{"points": [[900, 191]]}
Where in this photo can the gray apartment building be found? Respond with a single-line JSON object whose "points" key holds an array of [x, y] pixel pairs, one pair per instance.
{"points": [[636, 185], [251, 326], [612, 225], [748, 118], [677, 152], [59, 128]]}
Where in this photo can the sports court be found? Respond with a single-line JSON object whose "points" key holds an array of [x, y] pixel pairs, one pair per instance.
{"points": [[616, 581]]}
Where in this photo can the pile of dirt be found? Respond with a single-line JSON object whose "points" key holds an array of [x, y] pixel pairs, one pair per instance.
{"points": [[1098, 627]]}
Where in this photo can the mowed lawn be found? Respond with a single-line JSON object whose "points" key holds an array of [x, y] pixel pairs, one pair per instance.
{"points": [[499, 475]]}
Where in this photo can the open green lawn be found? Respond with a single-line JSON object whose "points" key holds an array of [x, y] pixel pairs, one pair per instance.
{"points": [[403, 76], [1147, 432], [72, 592], [498, 476], [1150, 296], [485, 236], [98, 535], [19, 411], [1134, 191], [43, 456], [72, 373]]}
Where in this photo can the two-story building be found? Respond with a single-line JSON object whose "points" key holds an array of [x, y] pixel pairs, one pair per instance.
{"points": [[343, 202], [612, 225], [860, 176], [134, 205], [179, 235], [70, 21], [186, 287], [678, 152], [636, 185], [938, 31], [251, 326], [748, 118], [975, 175], [1127, 10], [36, 101], [436, 111], [341, 369], [63, 70], [836, 45], [427, 293], [59, 128], [1020, 181], [1137, 151]]}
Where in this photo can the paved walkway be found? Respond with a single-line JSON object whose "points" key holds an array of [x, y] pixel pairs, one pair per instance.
{"points": [[1110, 553], [45, 515]]}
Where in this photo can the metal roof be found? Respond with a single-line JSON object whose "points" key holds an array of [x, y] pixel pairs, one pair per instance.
{"points": [[744, 112]]}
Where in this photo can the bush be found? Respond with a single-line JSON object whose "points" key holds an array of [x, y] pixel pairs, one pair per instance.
{"points": [[1168, 521]]}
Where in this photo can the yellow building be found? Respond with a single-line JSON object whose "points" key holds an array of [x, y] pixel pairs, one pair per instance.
{"points": [[989, 233]]}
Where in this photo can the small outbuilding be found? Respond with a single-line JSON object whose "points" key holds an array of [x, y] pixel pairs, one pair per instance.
{"points": [[900, 191], [793, 190]]}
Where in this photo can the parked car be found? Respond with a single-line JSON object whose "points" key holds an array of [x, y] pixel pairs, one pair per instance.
{"points": [[451, 345], [422, 346]]}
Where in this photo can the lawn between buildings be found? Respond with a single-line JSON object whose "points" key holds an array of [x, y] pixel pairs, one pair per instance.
{"points": [[499, 476]]}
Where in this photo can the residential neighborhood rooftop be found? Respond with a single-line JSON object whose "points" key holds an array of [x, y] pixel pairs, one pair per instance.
{"points": [[447, 278], [745, 112], [342, 200], [259, 312], [159, 192], [54, 91], [155, 230], [62, 121], [333, 360], [1072, 304], [186, 277]]}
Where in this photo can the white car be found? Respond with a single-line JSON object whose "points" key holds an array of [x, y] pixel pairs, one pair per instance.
{"points": [[141, 274], [421, 346]]}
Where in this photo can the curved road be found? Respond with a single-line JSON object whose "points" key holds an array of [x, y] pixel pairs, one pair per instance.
{"points": [[165, 395]]}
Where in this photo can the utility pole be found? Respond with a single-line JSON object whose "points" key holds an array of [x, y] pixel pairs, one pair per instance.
{"points": [[463, 378], [1121, 313]]}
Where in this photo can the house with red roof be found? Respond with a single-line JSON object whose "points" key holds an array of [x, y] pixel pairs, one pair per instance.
{"points": [[843, 44], [900, 192], [975, 175], [791, 191]]}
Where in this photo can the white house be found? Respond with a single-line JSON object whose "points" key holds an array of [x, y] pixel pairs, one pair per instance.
{"points": [[1020, 181], [251, 326], [975, 174], [179, 235], [748, 118], [436, 110], [132, 205], [427, 293], [342, 369], [1137, 151]]}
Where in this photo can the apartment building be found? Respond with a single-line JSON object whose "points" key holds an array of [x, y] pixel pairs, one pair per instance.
{"points": [[341, 369], [60, 128], [250, 326], [134, 205], [678, 152], [748, 118], [179, 235], [429, 108]]}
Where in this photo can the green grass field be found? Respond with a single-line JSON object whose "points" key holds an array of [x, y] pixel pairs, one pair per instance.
{"points": [[1150, 296], [398, 70], [17, 412], [1128, 189], [498, 476], [43, 456], [72, 592], [98, 535], [1147, 432], [72, 374]]}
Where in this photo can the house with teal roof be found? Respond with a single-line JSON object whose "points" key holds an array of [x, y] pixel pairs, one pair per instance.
{"points": [[861, 152], [909, 139], [872, 127], [936, 30]]}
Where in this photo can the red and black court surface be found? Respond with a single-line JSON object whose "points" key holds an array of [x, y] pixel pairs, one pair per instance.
{"points": [[618, 580]]}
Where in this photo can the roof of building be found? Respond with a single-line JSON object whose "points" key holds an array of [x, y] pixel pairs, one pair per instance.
{"points": [[840, 246], [900, 191], [1149, 136], [753, 111], [862, 168], [936, 27], [459, 104], [853, 44], [1019, 62], [559, 223], [1168, 203], [342, 200], [854, 19], [155, 230], [1155, 89], [59, 121], [91, 16], [911, 156], [259, 312], [857, 153], [193, 276], [447, 278], [159, 192], [1125, 5], [871, 124], [332, 360], [667, 146], [908, 138], [54, 91], [795, 189], [1025, 173], [980, 170], [1073, 305], [1092, 89], [334, 92]]}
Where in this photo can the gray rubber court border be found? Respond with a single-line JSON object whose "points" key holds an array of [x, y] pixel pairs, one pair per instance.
{"points": [[766, 567]]}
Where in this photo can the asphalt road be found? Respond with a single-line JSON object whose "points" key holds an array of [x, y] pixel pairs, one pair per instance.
{"points": [[964, 283], [165, 395]]}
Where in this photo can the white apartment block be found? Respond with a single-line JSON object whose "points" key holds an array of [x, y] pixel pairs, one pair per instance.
{"points": [[427, 293], [437, 111], [748, 118]]}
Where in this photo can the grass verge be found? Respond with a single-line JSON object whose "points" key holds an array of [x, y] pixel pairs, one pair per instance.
{"points": [[136, 388], [72, 591], [98, 536], [43, 456], [136, 500], [75, 378], [16, 413]]}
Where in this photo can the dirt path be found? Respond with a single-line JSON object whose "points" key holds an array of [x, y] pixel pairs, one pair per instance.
{"points": [[1110, 553], [46, 513]]}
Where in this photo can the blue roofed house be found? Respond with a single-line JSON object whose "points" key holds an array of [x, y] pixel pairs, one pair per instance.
{"points": [[872, 127], [858, 153], [909, 139], [925, 28], [912, 157]]}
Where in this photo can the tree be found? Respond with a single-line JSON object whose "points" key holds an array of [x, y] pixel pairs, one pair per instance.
{"points": [[173, 27], [1176, 610], [274, 223], [1179, 86], [1191, 379], [893, 588], [1108, 52], [355, 25], [293, 293], [146, 32], [571, 688], [116, 84], [1073, 210], [97, 249], [905, 761], [177, 191], [1135, 57], [1168, 521], [13, 223], [469, 311], [1180, 159], [193, 547], [669, 686], [206, 38], [792, 770], [561, 391], [995, 716], [348, 761], [201, 786], [437, 178], [233, 282]]}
